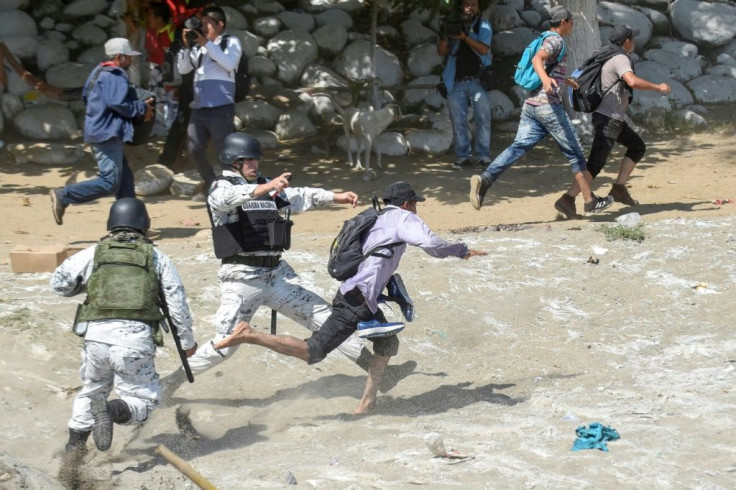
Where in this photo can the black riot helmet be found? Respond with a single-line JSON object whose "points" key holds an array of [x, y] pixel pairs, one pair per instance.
{"points": [[129, 212], [239, 145]]}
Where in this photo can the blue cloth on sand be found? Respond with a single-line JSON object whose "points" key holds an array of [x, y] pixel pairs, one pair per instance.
{"points": [[594, 436]]}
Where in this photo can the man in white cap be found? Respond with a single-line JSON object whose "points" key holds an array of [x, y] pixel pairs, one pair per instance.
{"points": [[111, 106]]}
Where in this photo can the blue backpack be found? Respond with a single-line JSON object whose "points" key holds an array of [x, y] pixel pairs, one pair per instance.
{"points": [[525, 75]]}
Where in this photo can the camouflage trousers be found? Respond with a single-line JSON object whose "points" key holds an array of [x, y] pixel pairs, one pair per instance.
{"points": [[243, 289], [131, 372]]}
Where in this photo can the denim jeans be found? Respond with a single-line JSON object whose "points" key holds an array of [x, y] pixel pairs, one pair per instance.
{"points": [[464, 93], [114, 176], [536, 123], [214, 123]]}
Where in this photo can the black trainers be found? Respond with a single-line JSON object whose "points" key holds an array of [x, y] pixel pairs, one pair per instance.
{"points": [[566, 206], [479, 185], [57, 207], [461, 163], [397, 293], [598, 204]]}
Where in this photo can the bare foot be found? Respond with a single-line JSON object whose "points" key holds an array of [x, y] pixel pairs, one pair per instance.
{"points": [[240, 335], [366, 405]]}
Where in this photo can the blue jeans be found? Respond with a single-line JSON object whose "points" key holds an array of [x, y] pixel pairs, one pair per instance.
{"points": [[536, 123], [470, 92], [114, 176], [214, 123]]}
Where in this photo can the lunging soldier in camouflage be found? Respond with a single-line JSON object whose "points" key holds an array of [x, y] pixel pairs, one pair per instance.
{"points": [[124, 277]]}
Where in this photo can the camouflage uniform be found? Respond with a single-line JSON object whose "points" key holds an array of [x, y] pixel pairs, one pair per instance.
{"points": [[121, 352]]}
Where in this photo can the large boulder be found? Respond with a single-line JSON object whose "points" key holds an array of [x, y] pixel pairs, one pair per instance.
{"points": [[330, 39], [512, 43], [257, 114], [51, 53], [355, 63], [429, 96], [293, 125], [683, 68], [611, 14], [709, 23], [152, 180], [713, 89], [46, 122], [423, 60], [17, 23], [46, 153], [89, 34], [292, 50], [69, 75]]}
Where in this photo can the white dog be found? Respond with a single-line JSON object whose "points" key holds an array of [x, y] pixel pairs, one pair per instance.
{"points": [[365, 125]]}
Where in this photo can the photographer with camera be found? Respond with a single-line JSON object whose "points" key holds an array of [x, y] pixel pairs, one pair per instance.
{"points": [[213, 63], [465, 39]]}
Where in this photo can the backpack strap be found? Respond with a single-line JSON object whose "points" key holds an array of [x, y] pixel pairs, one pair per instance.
{"points": [[544, 36], [373, 252]]}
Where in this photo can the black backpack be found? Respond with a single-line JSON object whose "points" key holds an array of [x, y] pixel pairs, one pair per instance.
{"points": [[346, 251], [242, 76], [589, 94]]}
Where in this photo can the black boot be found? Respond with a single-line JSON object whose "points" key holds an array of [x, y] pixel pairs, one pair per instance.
{"points": [[77, 440], [106, 414]]}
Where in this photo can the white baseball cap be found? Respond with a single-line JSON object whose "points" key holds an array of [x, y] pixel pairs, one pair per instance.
{"points": [[119, 45]]}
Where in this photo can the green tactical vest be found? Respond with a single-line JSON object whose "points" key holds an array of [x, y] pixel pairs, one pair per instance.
{"points": [[123, 284]]}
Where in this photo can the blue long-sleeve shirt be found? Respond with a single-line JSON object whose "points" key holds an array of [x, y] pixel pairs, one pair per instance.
{"points": [[395, 225], [111, 105]]}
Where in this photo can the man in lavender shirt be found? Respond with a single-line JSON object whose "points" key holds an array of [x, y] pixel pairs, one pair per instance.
{"points": [[357, 298]]}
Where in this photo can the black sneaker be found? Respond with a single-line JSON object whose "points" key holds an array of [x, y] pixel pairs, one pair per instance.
{"points": [[397, 293], [57, 207], [461, 163], [598, 204], [479, 185]]}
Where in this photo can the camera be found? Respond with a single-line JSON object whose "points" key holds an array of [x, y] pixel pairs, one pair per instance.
{"points": [[455, 24], [195, 27]]}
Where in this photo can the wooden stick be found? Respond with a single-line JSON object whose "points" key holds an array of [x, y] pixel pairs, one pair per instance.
{"points": [[184, 467], [26, 76]]}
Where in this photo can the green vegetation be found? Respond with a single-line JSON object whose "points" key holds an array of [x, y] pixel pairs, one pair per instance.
{"points": [[618, 232]]}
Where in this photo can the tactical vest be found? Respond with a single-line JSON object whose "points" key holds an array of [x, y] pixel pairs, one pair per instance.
{"points": [[123, 284], [260, 226]]}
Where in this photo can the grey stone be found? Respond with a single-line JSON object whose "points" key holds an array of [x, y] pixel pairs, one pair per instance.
{"points": [[713, 89], [704, 23], [46, 122]]}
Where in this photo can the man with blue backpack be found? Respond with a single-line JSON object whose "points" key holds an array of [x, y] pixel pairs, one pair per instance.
{"points": [[466, 41], [357, 298], [542, 70]]}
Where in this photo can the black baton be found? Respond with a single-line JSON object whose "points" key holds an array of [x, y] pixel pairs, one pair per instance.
{"points": [[175, 334]]}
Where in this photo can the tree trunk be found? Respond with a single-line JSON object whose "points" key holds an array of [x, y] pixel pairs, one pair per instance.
{"points": [[584, 39]]}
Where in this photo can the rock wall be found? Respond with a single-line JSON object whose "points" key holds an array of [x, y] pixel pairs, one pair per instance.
{"points": [[300, 50]]}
